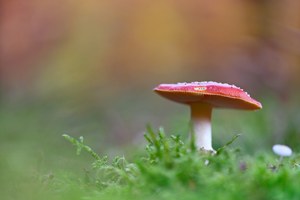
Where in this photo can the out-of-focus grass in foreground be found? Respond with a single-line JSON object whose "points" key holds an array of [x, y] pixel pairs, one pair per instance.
{"points": [[37, 163], [172, 169]]}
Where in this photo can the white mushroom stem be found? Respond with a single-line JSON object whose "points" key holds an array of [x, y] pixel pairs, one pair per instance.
{"points": [[201, 121]]}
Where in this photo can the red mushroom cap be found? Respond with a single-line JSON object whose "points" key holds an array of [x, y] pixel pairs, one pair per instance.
{"points": [[218, 95]]}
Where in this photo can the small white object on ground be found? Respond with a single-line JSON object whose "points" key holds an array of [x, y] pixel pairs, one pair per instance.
{"points": [[282, 150], [206, 162]]}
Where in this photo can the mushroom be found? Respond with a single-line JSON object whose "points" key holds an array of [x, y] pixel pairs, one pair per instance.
{"points": [[282, 150], [202, 97]]}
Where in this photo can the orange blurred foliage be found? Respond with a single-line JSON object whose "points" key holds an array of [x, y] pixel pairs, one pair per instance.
{"points": [[69, 46]]}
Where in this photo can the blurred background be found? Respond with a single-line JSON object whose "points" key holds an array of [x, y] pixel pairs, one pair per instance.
{"points": [[88, 68]]}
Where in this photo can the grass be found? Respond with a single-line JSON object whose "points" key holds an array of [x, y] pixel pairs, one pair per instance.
{"points": [[171, 169], [37, 163]]}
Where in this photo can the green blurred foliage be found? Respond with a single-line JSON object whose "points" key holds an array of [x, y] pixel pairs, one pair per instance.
{"points": [[172, 169]]}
